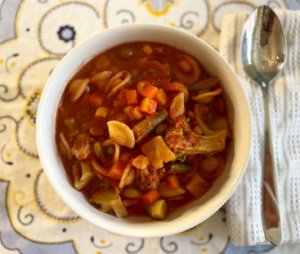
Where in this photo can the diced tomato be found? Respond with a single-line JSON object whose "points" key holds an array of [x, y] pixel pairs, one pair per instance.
{"points": [[172, 181], [95, 99], [148, 106], [177, 87], [220, 105], [150, 197], [119, 103], [121, 95], [62, 112], [141, 84], [96, 131], [131, 97], [142, 61], [82, 116], [161, 97], [116, 171]]}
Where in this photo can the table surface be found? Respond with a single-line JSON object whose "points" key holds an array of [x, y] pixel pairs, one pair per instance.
{"points": [[34, 36]]}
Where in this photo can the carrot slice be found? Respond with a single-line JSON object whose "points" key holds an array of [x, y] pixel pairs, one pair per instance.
{"points": [[161, 97], [131, 97], [146, 89], [150, 91], [96, 99], [141, 84], [148, 106], [150, 197], [172, 181]]}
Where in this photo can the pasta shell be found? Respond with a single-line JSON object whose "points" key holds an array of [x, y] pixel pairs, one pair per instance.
{"points": [[64, 146], [177, 106], [77, 87], [207, 96], [101, 78], [121, 133], [117, 81], [82, 176], [127, 177], [204, 84]]}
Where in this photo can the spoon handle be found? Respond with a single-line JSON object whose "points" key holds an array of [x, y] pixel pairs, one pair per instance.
{"points": [[271, 212]]}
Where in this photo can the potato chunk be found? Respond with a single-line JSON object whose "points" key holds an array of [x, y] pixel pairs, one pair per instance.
{"points": [[158, 210], [158, 152]]}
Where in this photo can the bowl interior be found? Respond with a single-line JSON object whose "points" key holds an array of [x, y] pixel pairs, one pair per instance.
{"points": [[187, 216]]}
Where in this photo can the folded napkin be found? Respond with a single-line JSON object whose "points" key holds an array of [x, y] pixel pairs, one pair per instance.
{"points": [[244, 208]]}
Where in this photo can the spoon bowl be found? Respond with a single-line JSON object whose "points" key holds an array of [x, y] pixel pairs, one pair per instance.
{"points": [[263, 46], [263, 57]]}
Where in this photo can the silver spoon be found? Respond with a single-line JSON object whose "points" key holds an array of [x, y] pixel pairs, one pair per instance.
{"points": [[263, 55]]}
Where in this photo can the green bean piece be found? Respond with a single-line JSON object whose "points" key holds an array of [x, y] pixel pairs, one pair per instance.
{"points": [[143, 128], [179, 168], [181, 157], [204, 84]]}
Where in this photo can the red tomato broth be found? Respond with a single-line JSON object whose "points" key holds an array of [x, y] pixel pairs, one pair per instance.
{"points": [[157, 70]]}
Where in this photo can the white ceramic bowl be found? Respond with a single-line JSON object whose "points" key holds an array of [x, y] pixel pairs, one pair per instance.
{"points": [[187, 216]]}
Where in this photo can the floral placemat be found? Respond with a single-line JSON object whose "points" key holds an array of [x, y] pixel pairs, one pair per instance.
{"points": [[34, 36]]}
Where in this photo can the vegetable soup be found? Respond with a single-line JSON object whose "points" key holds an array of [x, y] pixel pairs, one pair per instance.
{"points": [[142, 129]]}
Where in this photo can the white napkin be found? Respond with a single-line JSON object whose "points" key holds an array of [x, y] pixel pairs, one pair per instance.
{"points": [[244, 208]]}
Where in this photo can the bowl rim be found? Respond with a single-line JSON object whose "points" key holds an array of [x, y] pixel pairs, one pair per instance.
{"points": [[91, 214]]}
